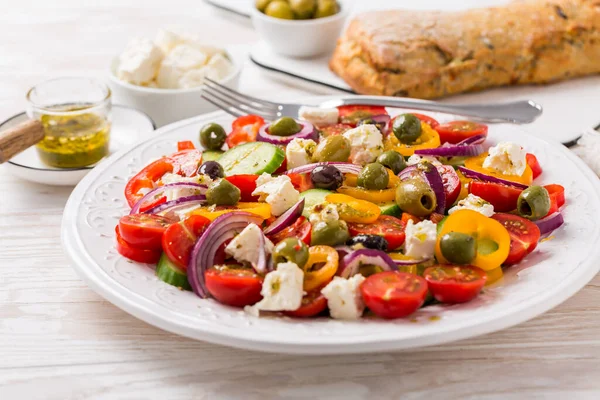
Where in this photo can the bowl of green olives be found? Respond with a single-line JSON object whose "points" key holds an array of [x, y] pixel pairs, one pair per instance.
{"points": [[300, 28]]}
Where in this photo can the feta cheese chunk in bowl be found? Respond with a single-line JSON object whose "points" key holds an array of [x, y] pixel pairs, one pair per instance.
{"points": [[164, 77]]}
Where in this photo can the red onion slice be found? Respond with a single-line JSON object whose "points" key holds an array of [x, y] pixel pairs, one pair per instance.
{"points": [[308, 131], [469, 173], [477, 139], [344, 167], [433, 177], [223, 228], [452, 151], [286, 219], [354, 260], [168, 208], [163, 190], [550, 223]]}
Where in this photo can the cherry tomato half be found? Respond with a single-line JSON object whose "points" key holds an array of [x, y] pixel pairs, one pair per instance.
{"points": [[246, 184], [244, 129], [144, 231], [502, 197], [427, 119], [454, 284], [451, 183], [352, 114], [391, 228], [456, 131], [394, 294], [524, 236], [134, 253], [237, 287], [533, 163], [313, 303], [301, 229], [334, 130], [179, 239]]}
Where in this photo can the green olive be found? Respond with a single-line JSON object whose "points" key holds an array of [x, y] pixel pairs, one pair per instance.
{"points": [[222, 193], [407, 128], [291, 250], [332, 148], [279, 9], [416, 197], [332, 233], [261, 5], [304, 9], [284, 126], [373, 176], [533, 203], [212, 136], [458, 248], [392, 160], [327, 8]]}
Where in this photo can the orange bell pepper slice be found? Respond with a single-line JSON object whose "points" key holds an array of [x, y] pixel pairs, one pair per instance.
{"points": [[388, 195], [476, 164], [429, 139], [354, 210], [319, 277]]}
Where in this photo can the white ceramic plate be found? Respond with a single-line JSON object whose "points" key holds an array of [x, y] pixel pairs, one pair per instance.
{"points": [[559, 268], [128, 126]]}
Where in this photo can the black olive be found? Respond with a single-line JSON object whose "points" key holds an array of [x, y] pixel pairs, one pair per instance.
{"points": [[213, 169], [326, 177], [375, 242]]}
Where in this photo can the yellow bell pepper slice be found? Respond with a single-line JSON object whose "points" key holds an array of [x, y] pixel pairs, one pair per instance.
{"points": [[354, 210], [464, 186], [476, 164], [493, 276], [263, 210], [493, 240], [314, 279], [429, 139]]}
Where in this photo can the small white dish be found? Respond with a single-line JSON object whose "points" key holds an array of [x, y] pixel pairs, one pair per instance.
{"points": [[301, 38], [128, 126], [165, 106]]}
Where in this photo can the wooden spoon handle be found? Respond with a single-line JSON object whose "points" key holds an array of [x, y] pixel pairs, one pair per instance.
{"points": [[15, 140]]}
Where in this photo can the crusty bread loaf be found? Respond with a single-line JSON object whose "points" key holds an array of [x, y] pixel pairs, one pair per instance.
{"points": [[434, 54]]}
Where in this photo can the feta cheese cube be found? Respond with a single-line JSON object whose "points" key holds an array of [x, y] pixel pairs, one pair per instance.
{"points": [[416, 159], [475, 203], [181, 59], [278, 192], [281, 290], [366, 144], [218, 67], [319, 116], [328, 214], [420, 239], [139, 62], [168, 38], [169, 178], [506, 158], [299, 152], [245, 247], [193, 78], [343, 297]]}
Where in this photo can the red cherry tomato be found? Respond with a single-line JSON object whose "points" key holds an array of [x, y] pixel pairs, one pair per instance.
{"points": [[244, 129], [502, 197], [451, 183], [301, 229], [185, 145], [313, 303], [144, 231], [391, 228], [246, 184], [352, 114], [237, 287], [427, 119], [179, 239], [456, 131], [524, 236], [394, 294], [301, 182], [135, 254], [454, 284], [535, 166], [334, 130]]}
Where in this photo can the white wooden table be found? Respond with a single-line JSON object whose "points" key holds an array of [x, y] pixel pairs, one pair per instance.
{"points": [[60, 340]]}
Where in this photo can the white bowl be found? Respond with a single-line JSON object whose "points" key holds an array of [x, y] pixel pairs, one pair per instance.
{"points": [[165, 106], [301, 38]]}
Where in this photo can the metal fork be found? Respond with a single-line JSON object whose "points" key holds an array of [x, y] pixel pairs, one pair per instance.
{"points": [[238, 104]]}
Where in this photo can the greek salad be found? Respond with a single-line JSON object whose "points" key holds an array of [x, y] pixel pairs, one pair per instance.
{"points": [[342, 212]]}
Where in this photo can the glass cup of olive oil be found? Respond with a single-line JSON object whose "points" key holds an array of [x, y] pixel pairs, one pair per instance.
{"points": [[76, 116]]}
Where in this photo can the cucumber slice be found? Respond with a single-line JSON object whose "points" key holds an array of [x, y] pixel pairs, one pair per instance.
{"points": [[390, 209], [312, 198], [252, 158], [211, 155], [168, 272]]}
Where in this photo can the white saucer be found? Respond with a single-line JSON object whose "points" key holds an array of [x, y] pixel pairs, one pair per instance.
{"points": [[128, 126]]}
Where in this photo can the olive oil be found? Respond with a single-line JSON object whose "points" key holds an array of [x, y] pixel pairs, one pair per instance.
{"points": [[74, 138]]}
